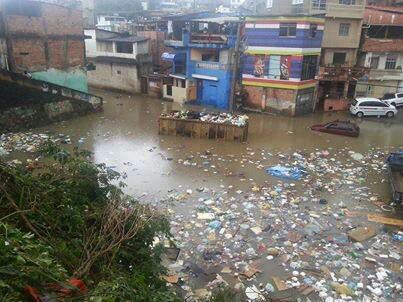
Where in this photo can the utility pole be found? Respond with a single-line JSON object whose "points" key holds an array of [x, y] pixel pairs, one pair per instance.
{"points": [[235, 67]]}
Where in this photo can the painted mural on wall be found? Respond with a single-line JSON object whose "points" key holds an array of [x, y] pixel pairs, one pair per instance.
{"points": [[285, 68]]}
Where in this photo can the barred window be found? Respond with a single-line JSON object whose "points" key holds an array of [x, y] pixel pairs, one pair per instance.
{"points": [[391, 62]]}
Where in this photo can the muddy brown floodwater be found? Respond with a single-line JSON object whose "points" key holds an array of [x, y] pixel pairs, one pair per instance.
{"points": [[229, 215]]}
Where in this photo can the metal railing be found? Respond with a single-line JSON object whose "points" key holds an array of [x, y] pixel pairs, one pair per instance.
{"points": [[210, 65], [209, 38], [174, 43]]}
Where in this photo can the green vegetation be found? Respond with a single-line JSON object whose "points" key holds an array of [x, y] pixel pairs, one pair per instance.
{"points": [[68, 218]]}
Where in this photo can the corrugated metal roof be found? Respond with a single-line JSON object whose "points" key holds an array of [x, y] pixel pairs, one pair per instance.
{"points": [[383, 15]]}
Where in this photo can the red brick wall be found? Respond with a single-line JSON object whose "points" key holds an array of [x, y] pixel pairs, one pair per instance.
{"points": [[29, 54], [59, 28], [255, 96], [271, 99]]}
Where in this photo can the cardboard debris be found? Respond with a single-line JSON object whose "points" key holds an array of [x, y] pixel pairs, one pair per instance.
{"points": [[280, 284], [385, 220], [173, 279], [251, 272], [362, 233]]}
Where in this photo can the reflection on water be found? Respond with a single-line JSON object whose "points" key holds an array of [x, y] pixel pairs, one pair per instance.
{"points": [[125, 136]]}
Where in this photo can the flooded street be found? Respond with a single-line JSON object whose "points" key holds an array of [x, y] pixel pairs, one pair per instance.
{"points": [[125, 136], [231, 218]]}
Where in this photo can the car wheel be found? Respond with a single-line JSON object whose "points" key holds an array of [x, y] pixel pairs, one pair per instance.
{"points": [[360, 114], [390, 114]]}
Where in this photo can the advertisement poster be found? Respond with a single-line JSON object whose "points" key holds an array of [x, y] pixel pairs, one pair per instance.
{"points": [[285, 68], [258, 70]]}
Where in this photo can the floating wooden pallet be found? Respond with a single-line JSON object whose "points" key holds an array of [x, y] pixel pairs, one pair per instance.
{"points": [[200, 129]]}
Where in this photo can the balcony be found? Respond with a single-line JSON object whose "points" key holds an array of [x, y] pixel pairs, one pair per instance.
{"points": [[342, 74], [174, 43], [210, 65]]}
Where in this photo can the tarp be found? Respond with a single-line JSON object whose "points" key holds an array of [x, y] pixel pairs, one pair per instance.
{"points": [[172, 57], [295, 173]]}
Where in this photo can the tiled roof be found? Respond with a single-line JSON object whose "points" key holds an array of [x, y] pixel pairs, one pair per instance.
{"points": [[383, 15], [382, 45]]}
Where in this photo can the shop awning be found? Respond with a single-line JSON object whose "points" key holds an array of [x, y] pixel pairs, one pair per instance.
{"points": [[172, 57]]}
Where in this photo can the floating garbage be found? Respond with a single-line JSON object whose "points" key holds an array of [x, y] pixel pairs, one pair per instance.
{"points": [[219, 118], [294, 173]]}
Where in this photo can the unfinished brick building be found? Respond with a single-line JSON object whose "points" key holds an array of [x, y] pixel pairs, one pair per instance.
{"points": [[44, 41]]}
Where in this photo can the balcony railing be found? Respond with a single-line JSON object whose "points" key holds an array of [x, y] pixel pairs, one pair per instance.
{"points": [[340, 73], [209, 38], [210, 65], [174, 43], [345, 10]]}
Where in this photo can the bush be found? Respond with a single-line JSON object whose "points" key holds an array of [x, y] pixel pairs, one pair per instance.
{"points": [[83, 225]]}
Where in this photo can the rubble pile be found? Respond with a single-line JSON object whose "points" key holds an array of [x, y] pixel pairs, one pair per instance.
{"points": [[287, 235], [219, 118]]}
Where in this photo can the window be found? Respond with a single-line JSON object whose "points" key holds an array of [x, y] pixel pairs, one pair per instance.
{"points": [[124, 47], [313, 29], [294, 2], [339, 58], [288, 29], [391, 62], [272, 70], [309, 67], [183, 83], [319, 4], [347, 2], [374, 62], [169, 90], [344, 29], [210, 57], [269, 4], [399, 95]]}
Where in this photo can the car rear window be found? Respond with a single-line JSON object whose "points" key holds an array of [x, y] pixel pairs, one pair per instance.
{"points": [[354, 102]]}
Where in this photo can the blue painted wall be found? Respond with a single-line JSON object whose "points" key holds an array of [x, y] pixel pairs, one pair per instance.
{"points": [[267, 37], [215, 93]]}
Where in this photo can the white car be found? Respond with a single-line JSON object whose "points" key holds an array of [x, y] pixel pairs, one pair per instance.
{"points": [[395, 99], [371, 107]]}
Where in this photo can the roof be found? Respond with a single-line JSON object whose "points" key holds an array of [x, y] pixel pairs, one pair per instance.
{"points": [[219, 20], [382, 45], [383, 15], [133, 39], [113, 60]]}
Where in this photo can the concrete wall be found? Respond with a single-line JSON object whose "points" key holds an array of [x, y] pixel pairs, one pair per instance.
{"points": [[179, 94], [75, 79], [117, 76], [23, 103], [382, 59], [331, 38], [283, 101]]}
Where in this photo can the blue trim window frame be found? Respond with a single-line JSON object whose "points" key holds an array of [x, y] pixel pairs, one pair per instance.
{"points": [[288, 30]]}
